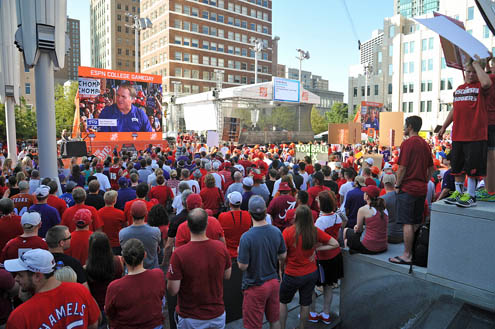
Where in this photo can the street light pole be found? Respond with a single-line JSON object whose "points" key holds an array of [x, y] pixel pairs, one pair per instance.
{"points": [[140, 24], [367, 72], [257, 48], [302, 55], [176, 110]]}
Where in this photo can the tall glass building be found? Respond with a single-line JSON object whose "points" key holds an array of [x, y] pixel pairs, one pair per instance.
{"points": [[412, 8]]}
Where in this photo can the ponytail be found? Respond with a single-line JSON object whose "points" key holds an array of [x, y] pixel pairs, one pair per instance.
{"points": [[378, 204]]}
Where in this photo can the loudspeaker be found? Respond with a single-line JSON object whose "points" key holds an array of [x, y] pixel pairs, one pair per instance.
{"points": [[73, 149]]}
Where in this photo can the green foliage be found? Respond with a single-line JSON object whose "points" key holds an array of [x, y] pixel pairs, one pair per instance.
{"points": [[318, 123], [338, 114], [65, 107], [25, 122], [285, 118]]}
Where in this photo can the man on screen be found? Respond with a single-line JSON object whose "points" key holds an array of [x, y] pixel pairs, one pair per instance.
{"points": [[128, 116], [372, 121]]}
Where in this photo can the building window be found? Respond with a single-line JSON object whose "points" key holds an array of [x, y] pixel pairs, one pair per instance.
{"points": [[206, 44], [449, 84], [411, 87], [428, 106], [390, 89], [404, 88], [422, 106], [178, 56], [391, 31], [376, 90], [430, 64], [424, 44], [411, 104], [411, 47], [406, 47], [178, 72], [423, 86], [470, 13], [430, 85], [486, 32], [204, 14], [206, 75], [206, 60], [355, 91], [187, 42], [195, 43], [390, 69], [195, 59], [194, 12], [442, 84], [206, 29], [27, 88], [187, 58], [444, 64], [411, 67], [187, 73], [430, 43], [405, 67], [390, 50], [195, 74], [379, 57], [423, 65], [178, 40], [194, 27], [404, 106]]}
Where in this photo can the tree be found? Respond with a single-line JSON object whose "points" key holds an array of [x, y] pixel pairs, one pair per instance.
{"points": [[318, 122], [65, 106], [25, 122], [285, 118], [338, 113]]}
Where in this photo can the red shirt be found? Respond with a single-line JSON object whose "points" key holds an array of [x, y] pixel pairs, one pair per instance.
{"points": [[490, 102], [370, 181], [10, 227], [79, 245], [234, 224], [330, 224], [470, 115], [313, 193], [57, 203], [135, 301], [22, 202], [114, 175], [200, 265], [113, 220], [127, 209], [309, 169], [375, 235], [18, 246], [278, 208], [71, 301], [162, 193], [68, 217], [415, 155], [300, 262], [212, 198], [214, 231]]}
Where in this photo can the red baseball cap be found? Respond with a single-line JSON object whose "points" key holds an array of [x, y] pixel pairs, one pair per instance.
{"points": [[82, 218], [194, 201], [371, 190]]}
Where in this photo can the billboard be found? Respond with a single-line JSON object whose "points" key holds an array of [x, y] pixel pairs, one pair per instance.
{"points": [[286, 90], [370, 116], [103, 106]]}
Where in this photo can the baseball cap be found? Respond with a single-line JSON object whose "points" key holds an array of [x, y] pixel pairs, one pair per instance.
{"points": [[197, 174], [247, 181], [35, 260], [360, 180], [375, 170], [30, 218], [194, 201], [235, 198], [216, 165], [387, 166], [82, 218], [284, 186], [389, 178], [371, 190], [256, 204], [139, 209], [369, 161], [99, 166], [123, 181], [42, 191]]}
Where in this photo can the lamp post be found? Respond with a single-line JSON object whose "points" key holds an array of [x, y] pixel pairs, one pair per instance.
{"points": [[302, 56], [140, 24], [42, 39], [9, 72], [257, 48], [368, 69], [176, 109], [218, 106]]}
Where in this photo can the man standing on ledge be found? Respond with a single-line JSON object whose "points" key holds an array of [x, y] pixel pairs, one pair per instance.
{"points": [[415, 170], [128, 116]]}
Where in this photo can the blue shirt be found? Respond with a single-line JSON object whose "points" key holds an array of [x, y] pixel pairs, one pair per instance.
{"points": [[259, 247], [135, 120], [353, 201], [49, 217], [124, 195], [67, 197], [448, 180]]}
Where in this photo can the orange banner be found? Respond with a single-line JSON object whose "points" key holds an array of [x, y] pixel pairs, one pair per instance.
{"points": [[92, 72]]}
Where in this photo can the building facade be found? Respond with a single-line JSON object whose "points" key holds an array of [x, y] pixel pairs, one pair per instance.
{"points": [[410, 74], [193, 43], [112, 37], [412, 8], [73, 59]]}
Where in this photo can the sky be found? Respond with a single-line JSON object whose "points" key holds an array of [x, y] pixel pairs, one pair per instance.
{"points": [[321, 27]]}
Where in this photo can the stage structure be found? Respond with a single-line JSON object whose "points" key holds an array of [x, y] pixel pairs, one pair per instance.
{"points": [[268, 112]]}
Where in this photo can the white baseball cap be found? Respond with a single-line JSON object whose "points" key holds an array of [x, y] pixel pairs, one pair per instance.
{"points": [[387, 166], [30, 218], [35, 260], [42, 191], [247, 181], [369, 161], [235, 198]]}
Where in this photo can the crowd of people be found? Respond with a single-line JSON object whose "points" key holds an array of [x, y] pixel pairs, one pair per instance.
{"points": [[216, 234]]}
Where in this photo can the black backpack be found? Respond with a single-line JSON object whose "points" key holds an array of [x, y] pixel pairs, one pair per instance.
{"points": [[420, 247]]}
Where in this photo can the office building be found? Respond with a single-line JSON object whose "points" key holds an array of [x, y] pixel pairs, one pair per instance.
{"points": [[412, 8], [73, 58], [409, 73], [112, 36], [190, 40]]}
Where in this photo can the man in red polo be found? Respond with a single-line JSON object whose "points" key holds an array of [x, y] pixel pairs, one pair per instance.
{"points": [[79, 196]]}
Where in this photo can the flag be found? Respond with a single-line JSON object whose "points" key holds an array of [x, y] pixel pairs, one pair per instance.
{"points": [[76, 126], [357, 117]]}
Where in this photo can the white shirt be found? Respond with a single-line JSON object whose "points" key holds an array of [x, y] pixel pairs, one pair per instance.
{"points": [[346, 188], [194, 186], [304, 185], [276, 186], [103, 180], [177, 203], [218, 179]]}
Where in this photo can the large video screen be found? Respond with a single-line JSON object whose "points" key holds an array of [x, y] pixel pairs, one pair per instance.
{"points": [[118, 101], [370, 116]]}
